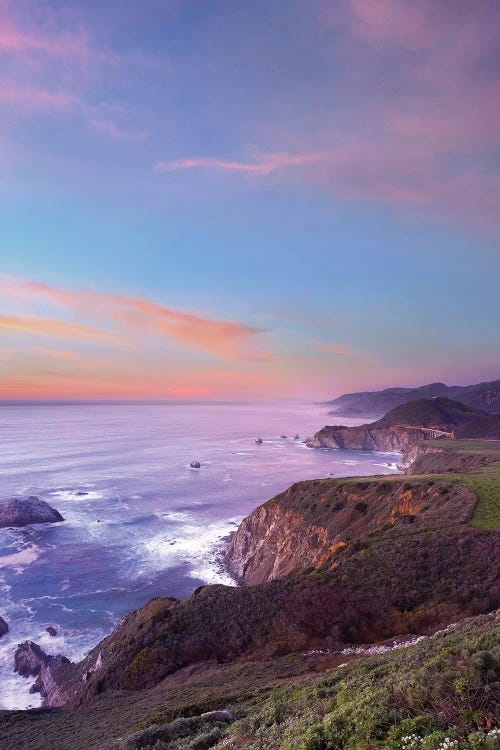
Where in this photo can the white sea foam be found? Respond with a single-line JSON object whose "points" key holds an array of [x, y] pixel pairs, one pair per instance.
{"points": [[14, 693], [73, 495], [196, 545], [20, 559], [179, 516]]}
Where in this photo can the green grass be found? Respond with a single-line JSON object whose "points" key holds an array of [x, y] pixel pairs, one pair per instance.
{"points": [[485, 484], [449, 683], [490, 447], [446, 684], [487, 488]]}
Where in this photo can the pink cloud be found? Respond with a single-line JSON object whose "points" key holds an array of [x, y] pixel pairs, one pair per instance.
{"points": [[405, 23], [336, 348], [416, 121], [265, 166], [114, 132], [138, 316], [21, 37], [34, 98], [49, 327]]}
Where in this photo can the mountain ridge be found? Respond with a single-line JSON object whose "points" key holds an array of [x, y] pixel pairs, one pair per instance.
{"points": [[373, 404]]}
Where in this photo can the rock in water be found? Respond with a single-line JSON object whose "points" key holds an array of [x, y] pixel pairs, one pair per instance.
{"points": [[259, 441], [17, 512], [4, 628], [283, 437], [29, 659], [51, 631], [51, 672], [296, 436], [195, 465]]}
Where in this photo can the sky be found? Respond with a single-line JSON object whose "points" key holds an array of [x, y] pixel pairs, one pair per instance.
{"points": [[225, 199]]}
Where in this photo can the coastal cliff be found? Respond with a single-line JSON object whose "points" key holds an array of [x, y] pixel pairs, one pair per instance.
{"points": [[445, 457], [333, 562], [400, 428], [393, 439], [407, 583], [313, 522]]}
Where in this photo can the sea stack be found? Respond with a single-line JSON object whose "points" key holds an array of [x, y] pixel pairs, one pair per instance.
{"points": [[18, 512]]}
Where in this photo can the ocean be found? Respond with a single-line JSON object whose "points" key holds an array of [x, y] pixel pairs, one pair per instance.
{"points": [[139, 521]]}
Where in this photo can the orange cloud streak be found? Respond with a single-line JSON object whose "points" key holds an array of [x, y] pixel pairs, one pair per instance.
{"points": [[228, 339], [50, 327]]}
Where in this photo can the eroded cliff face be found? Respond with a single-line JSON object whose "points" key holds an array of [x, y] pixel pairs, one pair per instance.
{"points": [[311, 523], [395, 439], [428, 459], [414, 453]]}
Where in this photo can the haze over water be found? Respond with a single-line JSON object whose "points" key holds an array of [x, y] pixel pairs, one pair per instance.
{"points": [[139, 522]]}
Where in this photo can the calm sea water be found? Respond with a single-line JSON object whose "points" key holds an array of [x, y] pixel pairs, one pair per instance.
{"points": [[139, 522]]}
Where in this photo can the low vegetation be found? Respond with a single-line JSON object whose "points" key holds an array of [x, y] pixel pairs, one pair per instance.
{"points": [[444, 687]]}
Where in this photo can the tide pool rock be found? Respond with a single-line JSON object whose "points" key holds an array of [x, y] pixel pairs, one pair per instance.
{"points": [[19, 512]]}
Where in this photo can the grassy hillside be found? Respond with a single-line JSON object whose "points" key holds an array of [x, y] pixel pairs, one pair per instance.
{"points": [[484, 427], [482, 459], [429, 412], [444, 686]]}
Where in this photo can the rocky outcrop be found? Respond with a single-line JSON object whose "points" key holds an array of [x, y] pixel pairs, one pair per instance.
{"points": [[313, 522], [411, 455], [4, 628], [401, 428], [18, 512], [51, 672], [394, 439], [429, 459]]}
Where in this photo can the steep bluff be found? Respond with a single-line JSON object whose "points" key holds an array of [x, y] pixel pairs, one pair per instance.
{"points": [[395, 439], [314, 521], [423, 458], [401, 427]]}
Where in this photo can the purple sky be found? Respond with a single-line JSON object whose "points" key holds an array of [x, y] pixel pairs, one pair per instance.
{"points": [[247, 199]]}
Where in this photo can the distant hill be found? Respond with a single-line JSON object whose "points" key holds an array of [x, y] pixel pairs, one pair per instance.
{"points": [[438, 412], [401, 428], [484, 427], [374, 404]]}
